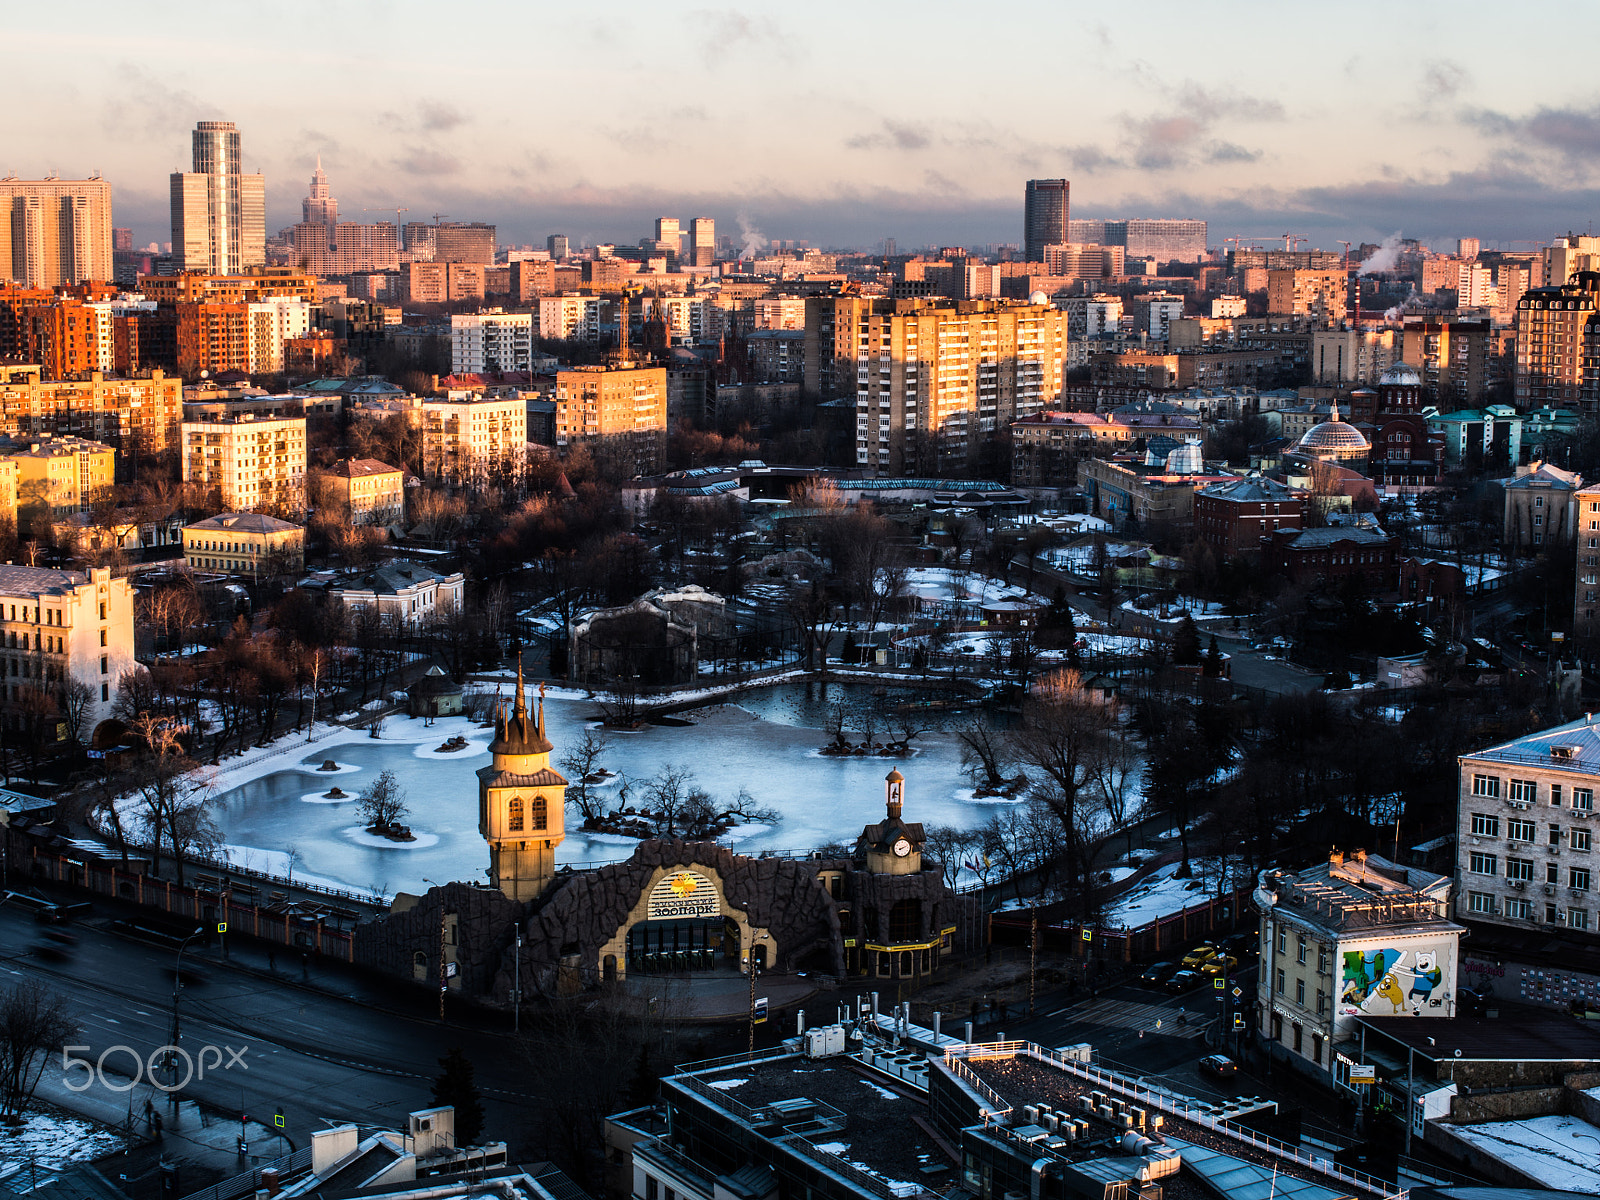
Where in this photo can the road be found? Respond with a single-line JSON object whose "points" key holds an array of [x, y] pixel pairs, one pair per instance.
{"points": [[324, 1061]]}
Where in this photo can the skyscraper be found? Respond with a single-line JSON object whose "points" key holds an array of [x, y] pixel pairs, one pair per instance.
{"points": [[1044, 216], [55, 231], [702, 242], [559, 245], [219, 214], [319, 207]]}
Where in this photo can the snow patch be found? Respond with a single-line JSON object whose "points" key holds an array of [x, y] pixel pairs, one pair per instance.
{"points": [[319, 798], [359, 835], [882, 1091], [726, 1085]]}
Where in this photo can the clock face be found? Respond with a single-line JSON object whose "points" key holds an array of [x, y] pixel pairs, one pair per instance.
{"points": [[902, 847]]}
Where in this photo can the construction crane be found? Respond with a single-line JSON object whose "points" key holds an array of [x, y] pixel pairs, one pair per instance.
{"points": [[1293, 243], [438, 216]]}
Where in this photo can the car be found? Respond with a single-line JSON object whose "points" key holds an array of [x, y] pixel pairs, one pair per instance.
{"points": [[1184, 981], [1158, 974], [1239, 944], [1198, 955], [1219, 1067], [1220, 965]]}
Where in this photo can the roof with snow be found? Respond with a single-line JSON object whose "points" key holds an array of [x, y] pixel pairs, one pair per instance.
{"points": [[1574, 746]]}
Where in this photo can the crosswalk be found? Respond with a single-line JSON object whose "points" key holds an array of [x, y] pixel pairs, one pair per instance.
{"points": [[1187, 1022]]}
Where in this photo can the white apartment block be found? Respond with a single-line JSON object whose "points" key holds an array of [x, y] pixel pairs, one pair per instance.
{"points": [[254, 462], [491, 341], [473, 441], [690, 319], [575, 318], [60, 624], [1526, 828], [1475, 287], [408, 593], [1091, 316], [1163, 311], [780, 312], [271, 323]]}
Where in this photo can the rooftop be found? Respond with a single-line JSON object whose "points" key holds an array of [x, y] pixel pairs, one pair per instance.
{"points": [[354, 468], [243, 523], [1574, 746], [1543, 475], [28, 581], [391, 578], [1253, 488], [1553, 1039], [1363, 891]]}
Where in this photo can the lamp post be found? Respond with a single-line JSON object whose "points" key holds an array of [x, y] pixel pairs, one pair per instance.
{"points": [[177, 992]]}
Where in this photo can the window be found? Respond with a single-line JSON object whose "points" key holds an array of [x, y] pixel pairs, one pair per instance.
{"points": [[1300, 955], [1555, 795], [1524, 789], [1280, 981], [105, 691], [1297, 1032], [105, 665], [1538, 501], [540, 812], [1582, 799], [652, 1189], [514, 814], [1322, 962], [1484, 825], [1322, 1002], [1521, 831], [1299, 991], [1486, 785], [1480, 902], [102, 637], [1552, 873], [1551, 914], [1483, 864], [1578, 877], [1578, 918], [1521, 910], [1555, 837], [1283, 944], [1520, 868], [1578, 839]]}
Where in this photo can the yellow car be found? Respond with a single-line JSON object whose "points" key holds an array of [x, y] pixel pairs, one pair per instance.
{"points": [[1193, 959], [1220, 965]]}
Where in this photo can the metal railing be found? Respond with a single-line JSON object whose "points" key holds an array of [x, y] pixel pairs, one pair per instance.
{"points": [[1174, 1105], [246, 1184]]}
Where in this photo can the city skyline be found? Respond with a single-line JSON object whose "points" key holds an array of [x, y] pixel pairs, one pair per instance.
{"points": [[1268, 123]]}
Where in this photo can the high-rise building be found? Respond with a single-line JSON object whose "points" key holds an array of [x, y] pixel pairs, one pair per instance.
{"points": [[627, 404], [476, 440], [490, 341], [464, 242], [1319, 295], [1163, 239], [55, 232], [1044, 216], [344, 248], [1551, 326], [121, 239], [559, 245], [319, 207], [932, 379], [219, 214], [702, 242], [1467, 248], [254, 462]]}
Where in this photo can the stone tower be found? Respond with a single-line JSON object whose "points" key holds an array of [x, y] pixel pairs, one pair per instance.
{"points": [[521, 802]]}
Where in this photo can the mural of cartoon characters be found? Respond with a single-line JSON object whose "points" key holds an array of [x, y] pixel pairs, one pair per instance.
{"points": [[1363, 972], [1372, 976], [1426, 978]]}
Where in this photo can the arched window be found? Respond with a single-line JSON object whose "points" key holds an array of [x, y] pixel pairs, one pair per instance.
{"points": [[514, 814], [540, 812]]}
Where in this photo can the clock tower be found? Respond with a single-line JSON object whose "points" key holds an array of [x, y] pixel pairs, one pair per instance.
{"points": [[521, 802], [893, 846]]}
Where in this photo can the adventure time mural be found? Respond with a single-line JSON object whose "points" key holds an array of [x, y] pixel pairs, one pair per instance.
{"points": [[1382, 981]]}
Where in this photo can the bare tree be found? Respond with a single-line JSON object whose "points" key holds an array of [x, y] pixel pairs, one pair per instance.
{"points": [[581, 762], [986, 755], [382, 802], [950, 848], [35, 1023]]}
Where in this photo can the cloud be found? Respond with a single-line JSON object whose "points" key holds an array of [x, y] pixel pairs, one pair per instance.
{"points": [[895, 135], [438, 117], [1228, 152], [1442, 79], [423, 160], [146, 102], [726, 30], [1178, 137]]}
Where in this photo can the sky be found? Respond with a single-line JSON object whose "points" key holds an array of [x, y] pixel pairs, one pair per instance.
{"points": [[837, 123]]}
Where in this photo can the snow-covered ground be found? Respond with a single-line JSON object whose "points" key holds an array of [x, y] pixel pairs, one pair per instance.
{"points": [[1161, 893], [1081, 559], [967, 587], [49, 1141], [1555, 1150], [1171, 612]]}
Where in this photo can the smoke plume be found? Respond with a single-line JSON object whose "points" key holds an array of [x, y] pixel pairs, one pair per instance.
{"points": [[1384, 258], [750, 238]]}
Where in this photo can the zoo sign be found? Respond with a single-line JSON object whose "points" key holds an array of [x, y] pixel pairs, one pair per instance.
{"points": [[683, 894]]}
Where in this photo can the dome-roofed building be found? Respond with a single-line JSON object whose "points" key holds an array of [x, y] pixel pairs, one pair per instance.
{"points": [[1335, 441], [1401, 373]]}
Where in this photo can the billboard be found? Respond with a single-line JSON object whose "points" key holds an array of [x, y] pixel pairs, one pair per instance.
{"points": [[1397, 978]]}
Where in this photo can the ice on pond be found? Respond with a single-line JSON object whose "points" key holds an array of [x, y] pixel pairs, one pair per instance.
{"points": [[820, 799]]}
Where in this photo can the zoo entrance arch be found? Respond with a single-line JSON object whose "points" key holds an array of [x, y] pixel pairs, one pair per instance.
{"points": [[682, 921]]}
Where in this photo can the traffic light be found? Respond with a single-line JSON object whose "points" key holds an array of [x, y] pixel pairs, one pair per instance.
{"points": [[1238, 1022]]}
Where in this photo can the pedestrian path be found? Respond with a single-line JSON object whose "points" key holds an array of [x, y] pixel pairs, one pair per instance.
{"points": [[1129, 1014]]}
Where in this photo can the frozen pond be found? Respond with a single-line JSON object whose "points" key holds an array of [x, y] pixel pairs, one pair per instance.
{"points": [[773, 755]]}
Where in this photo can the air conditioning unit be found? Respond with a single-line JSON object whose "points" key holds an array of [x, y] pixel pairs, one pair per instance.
{"points": [[1549, 889], [1585, 813], [1519, 804], [1519, 884]]}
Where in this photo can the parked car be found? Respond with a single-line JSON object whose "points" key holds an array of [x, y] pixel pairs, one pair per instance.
{"points": [[1198, 955], [1220, 965], [1184, 981], [1158, 974], [1240, 945], [1219, 1067]]}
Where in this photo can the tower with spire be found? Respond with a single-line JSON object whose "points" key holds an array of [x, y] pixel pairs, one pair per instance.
{"points": [[521, 801], [320, 208]]}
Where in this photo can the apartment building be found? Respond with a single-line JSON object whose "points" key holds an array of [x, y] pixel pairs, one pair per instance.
{"points": [[490, 341], [1586, 598], [464, 242], [55, 231], [408, 593], [702, 242], [138, 415], [240, 287], [1540, 509], [1525, 832], [57, 477], [1551, 326], [626, 403], [245, 543], [1355, 937], [1352, 355], [219, 215], [1092, 316], [345, 247], [1451, 356], [933, 379], [365, 491], [253, 462], [571, 318], [1319, 295], [61, 625], [1046, 216], [441, 282], [474, 440]]}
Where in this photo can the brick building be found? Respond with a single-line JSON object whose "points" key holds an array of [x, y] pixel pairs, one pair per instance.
{"points": [[1235, 516], [1333, 554]]}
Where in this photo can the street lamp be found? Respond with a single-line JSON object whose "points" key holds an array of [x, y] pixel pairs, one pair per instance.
{"points": [[177, 992]]}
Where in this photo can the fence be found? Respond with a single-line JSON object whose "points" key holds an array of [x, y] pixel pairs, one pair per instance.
{"points": [[203, 906], [1180, 1107], [246, 1184], [1129, 945]]}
